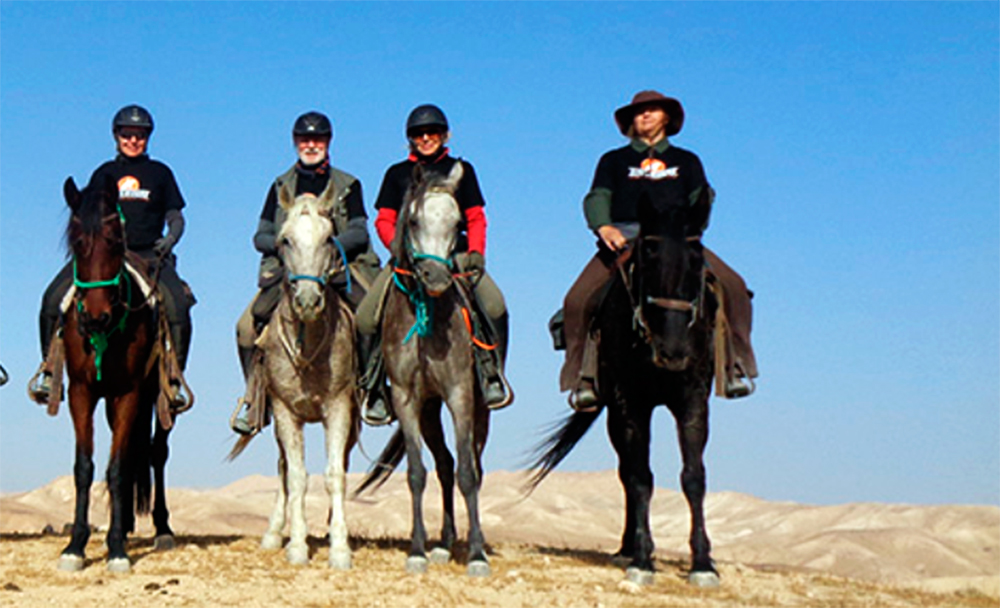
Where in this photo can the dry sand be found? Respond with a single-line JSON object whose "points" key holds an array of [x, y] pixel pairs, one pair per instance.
{"points": [[548, 549]]}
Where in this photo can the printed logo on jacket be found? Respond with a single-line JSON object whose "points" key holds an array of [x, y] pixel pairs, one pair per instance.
{"points": [[129, 189], [654, 169]]}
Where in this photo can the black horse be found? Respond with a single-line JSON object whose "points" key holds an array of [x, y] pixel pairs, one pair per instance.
{"points": [[656, 331]]}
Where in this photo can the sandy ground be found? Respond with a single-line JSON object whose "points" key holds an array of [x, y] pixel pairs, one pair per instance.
{"points": [[549, 549]]}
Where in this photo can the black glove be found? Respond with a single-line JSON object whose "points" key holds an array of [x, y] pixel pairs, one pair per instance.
{"points": [[163, 245], [475, 265]]}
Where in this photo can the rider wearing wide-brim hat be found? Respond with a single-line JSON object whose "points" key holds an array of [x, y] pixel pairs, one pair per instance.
{"points": [[312, 173], [427, 133], [150, 201], [649, 169]]}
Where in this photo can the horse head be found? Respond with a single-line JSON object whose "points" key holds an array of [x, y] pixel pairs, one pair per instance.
{"points": [[307, 247], [96, 239], [670, 289], [430, 226]]}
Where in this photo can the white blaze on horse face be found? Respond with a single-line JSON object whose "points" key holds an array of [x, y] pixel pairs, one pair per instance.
{"points": [[306, 251], [437, 230]]}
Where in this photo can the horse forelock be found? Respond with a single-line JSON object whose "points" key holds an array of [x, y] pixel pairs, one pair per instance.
{"points": [[86, 223]]}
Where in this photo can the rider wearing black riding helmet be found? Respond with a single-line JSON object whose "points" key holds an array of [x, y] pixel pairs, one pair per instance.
{"points": [[427, 132], [648, 169], [150, 201], [313, 174]]}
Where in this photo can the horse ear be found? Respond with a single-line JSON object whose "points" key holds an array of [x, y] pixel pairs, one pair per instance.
{"points": [[418, 174], [455, 176], [111, 187], [284, 198], [72, 194]]}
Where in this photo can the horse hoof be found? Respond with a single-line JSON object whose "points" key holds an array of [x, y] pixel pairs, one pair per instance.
{"points": [[416, 564], [704, 580], [440, 555], [478, 568], [271, 541], [164, 542], [297, 555], [70, 563], [639, 576], [119, 565], [340, 560]]}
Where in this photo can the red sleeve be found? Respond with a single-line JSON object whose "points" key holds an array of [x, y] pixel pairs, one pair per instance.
{"points": [[475, 226], [385, 225]]}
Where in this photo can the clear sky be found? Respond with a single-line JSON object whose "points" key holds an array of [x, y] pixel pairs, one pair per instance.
{"points": [[853, 146]]}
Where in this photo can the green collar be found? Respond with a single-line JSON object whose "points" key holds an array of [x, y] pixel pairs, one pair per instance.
{"points": [[640, 146]]}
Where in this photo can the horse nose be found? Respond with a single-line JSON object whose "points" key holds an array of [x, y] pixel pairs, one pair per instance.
{"points": [[309, 302]]}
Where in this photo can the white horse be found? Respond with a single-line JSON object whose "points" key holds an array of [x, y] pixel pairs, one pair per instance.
{"points": [[309, 368]]}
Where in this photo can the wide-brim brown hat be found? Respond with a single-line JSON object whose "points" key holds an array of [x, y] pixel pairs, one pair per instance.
{"points": [[673, 108]]}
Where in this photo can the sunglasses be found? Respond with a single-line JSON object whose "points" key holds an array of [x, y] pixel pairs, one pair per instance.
{"points": [[421, 133], [127, 135]]}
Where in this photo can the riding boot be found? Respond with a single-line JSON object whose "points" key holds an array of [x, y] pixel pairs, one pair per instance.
{"points": [[584, 397], [496, 392], [251, 414], [376, 407], [180, 341], [40, 385]]}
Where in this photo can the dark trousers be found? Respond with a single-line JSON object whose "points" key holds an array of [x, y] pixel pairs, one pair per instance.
{"points": [[584, 297]]}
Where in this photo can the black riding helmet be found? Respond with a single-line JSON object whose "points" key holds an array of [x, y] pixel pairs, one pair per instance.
{"points": [[424, 116], [312, 123], [132, 116]]}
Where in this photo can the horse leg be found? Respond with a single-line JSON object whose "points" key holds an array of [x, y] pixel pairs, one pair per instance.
{"points": [[692, 430], [122, 413], [164, 540], [416, 476], [470, 479], [444, 465], [82, 407], [339, 441], [630, 435], [272, 539], [289, 432]]}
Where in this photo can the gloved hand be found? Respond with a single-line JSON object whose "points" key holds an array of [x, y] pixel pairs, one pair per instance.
{"points": [[475, 265], [163, 245]]}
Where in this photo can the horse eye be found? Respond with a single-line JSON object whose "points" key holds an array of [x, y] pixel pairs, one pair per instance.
{"points": [[285, 242]]}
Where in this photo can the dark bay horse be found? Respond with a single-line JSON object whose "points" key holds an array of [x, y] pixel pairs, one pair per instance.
{"points": [[656, 347], [109, 335], [428, 353]]}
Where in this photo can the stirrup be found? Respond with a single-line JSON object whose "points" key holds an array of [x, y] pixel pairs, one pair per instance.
{"points": [[584, 399], [179, 399], [40, 386], [739, 387], [378, 413], [240, 419]]}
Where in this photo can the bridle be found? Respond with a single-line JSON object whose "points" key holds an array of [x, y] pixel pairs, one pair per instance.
{"points": [[99, 340], [695, 306]]}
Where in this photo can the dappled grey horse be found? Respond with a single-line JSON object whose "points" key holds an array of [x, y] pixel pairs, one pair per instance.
{"points": [[428, 349], [309, 369]]}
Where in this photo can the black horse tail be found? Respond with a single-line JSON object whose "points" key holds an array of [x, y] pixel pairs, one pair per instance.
{"points": [[388, 460], [564, 437]]}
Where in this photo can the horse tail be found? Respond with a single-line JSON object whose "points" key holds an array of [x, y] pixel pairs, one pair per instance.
{"points": [[388, 460], [554, 448]]}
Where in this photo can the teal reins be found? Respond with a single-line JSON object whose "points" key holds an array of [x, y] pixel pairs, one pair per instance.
{"points": [[99, 340]]}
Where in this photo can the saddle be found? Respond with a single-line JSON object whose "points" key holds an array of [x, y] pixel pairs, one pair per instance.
{"points": [[163, 355]]}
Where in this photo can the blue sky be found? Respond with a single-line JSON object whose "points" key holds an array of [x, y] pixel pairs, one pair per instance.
{"points": [[853, 146]]}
